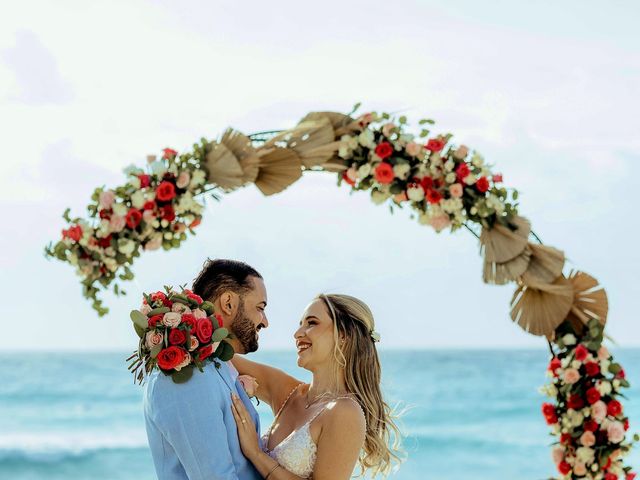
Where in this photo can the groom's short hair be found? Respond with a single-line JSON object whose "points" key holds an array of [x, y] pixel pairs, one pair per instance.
{"points": [[221, 275]]}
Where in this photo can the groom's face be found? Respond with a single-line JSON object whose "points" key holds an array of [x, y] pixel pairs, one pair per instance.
{"points": [[250, 317]]}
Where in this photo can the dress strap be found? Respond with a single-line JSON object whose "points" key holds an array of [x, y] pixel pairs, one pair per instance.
{"points": [[286, 400]]}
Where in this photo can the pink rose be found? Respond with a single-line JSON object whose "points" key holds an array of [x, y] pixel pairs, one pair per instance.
{"points": [[365, 119], [249, 384], [387, 128], [440, 222], [179, 227], [145, 309], [148, 216], [155, 243], [455, 190], [599, 411], [199, 313], [461, 152], [571, 376], [171, 319], [180, 308], [615, 432], [117, 223], [194, 343], [557, 453], [580, 469], [588, 439], [352, 174], [603, 353], [184, 363], [413, 149], [183, 180], [153, 338], [106, 199]]}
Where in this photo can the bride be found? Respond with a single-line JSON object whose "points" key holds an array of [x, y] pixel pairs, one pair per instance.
{"points": [[322, 429]]}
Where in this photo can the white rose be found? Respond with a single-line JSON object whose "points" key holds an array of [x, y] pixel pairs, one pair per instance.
{"points": [[119, 209], [364, 170], [134, 182], [569, 339], [603, 387], [378, 197], [477, 160], [616, 384], [137, 199], [155, 242], [448, 165], [126, 246], [470, 179], [415, 194], [402, 170], [366, 139], [576, 364], [197, 178], [604, 365], [450, 178], [584, 454]]}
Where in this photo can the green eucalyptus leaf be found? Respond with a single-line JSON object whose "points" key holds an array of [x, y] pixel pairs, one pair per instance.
{"points": [[139, 330], [159, 311], [183, 375], [155, 351], [139, 319], [227, 352], [219, 334]]}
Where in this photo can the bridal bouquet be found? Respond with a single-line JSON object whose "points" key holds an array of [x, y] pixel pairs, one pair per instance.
{"points": [[178, 332], [587, 415], [445, 185]]}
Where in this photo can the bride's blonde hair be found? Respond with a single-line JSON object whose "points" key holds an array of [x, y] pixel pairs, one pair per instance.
{"points": [[357, 359]]}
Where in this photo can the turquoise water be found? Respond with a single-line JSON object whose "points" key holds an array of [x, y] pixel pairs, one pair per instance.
{"points": [[472, 414]]}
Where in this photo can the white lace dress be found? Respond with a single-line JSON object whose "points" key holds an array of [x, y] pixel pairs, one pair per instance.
{"points": [[297, 452]]}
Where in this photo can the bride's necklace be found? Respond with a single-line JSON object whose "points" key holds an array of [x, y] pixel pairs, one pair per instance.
{"points": [[316, 398]]}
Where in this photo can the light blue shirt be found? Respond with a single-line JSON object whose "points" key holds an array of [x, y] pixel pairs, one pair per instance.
{"points": [[191, 430]]}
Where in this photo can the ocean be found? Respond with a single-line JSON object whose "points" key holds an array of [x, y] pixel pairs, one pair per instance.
{"points": [[471, 414]]}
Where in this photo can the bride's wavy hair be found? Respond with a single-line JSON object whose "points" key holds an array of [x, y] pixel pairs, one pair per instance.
{"points": [[357, 360]]}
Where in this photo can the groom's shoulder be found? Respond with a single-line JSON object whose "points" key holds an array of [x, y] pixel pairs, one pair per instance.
{"points": [[209, 378]]}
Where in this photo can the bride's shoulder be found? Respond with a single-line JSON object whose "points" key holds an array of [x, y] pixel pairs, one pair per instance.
{"points": [[346, 413]]}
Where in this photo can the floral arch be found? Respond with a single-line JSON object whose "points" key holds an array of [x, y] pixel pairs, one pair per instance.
{"points": [[447, 186]]}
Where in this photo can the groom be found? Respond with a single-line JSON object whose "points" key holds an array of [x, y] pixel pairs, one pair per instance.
{"points": [[190, 426]]}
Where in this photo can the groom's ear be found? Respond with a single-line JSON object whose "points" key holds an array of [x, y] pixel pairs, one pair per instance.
{"points": [[229, 302]]}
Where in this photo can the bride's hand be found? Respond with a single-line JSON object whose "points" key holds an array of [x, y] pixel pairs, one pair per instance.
{"points": [[249, 442]]}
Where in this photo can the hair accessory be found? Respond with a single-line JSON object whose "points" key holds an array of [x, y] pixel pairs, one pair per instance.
{"points": [[375, 336]]}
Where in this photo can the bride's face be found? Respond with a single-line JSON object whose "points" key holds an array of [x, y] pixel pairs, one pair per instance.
{"points": [[314, 338]]}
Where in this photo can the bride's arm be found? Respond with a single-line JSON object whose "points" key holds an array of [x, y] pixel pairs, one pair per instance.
{"points": [[273, 384]]}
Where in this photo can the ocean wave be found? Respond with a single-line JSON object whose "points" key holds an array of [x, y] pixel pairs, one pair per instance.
{"points": [[53, 447]]}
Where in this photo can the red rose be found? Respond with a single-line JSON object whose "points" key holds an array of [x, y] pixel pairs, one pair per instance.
{"points": [[554, 364], [630, 476], [219, 319], [435, 144], [497, 178], [433, 196], [384, 173], [620, 374], [593, 395], [153, 321], [189, 319], [177, 337], [384, 150], [205, 352], [592, 368], [581, 352], [462, 171], [171, 357], [549, 412], [145, 180], [346, 178], [565, 439], [611, 476], [614, 408], [168, 153], [575, 402], [195, 297], [168, 213], [105, 242], [74, 233], [426, 183], [104, 214], [625, 424], [195, 223], [590, 426], [158, 296], [204, 329], [564, 467], [134, 217], [149, 205], [482, 184], [165, 191]]}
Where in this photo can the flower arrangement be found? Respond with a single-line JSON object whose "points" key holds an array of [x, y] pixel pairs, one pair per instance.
{"points": [[444, 184], [587, 415], [154, 209], [178, 332]]}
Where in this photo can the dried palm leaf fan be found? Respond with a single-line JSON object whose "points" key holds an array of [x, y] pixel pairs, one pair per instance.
{"points": [[313, 141], [338, 120], [223, 167], [506, 255], [540, 309], [241, 146], [545, 266], [589, 301], [279, 168], [503, 273]]}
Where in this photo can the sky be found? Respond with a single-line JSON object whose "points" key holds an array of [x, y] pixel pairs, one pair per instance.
{"points": [[546, 91]]}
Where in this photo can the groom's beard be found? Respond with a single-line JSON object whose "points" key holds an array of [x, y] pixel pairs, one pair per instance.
{"points": [[245, 331]]}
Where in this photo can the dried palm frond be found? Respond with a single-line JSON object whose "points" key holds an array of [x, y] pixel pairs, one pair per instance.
{"points": [[279, 168], [313, 141], [501, 244], [241, 146], [545, 266], [590, 299], [337, 120], [223, 167], [540, 310], [503, 273]]}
